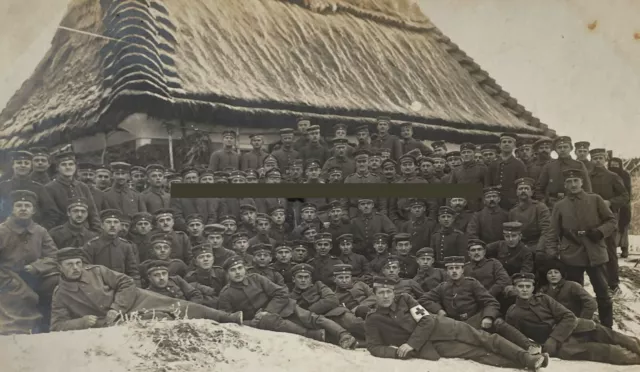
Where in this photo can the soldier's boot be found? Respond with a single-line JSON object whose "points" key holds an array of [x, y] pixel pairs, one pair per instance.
{"points": [[316, 334], [535, 362], [608, 336], [347, 341], [236, 318], [534, 350], [275, 323], [625, 252]]}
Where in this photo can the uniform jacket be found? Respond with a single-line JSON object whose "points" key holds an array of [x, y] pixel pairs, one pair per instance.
{"points": [[518, 259], [535, 218], [409, 144], [114, 253], [572, 296], [448, 242], [142, 244], [269, 273], [285, 157], [358, 294], [348, 165], [252, 159], [214, 279], [359, 264], [504, 173], [155, 199], [420, 230], [462, 220], [364, 228], [69, 235], [486, 224], [62, 192], [46, 214], [40, 177], [461, 300], [430, 278], [391, 142], [231, 206], [408, 266], [181, 246], [471, 173], [124, 199], [222, 159], [314, 151], [408, 286], [399, 207], [208, 208], [378, 261], [490, 273], [285, 271], [323, 268], [610, 186], [98, 198], [364, 178], [265, 204], [179, 289], [318, 299], [580, 212], [26, 245], [551, 181], [255, 293]]}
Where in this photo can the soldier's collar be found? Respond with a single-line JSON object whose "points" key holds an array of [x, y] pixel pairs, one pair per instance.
{"points": [[13, 225]]}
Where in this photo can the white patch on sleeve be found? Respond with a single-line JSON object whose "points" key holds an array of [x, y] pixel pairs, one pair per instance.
{"points": [[417, 312]]}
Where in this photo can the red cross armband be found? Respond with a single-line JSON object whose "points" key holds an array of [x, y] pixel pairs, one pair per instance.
{"points": [[418, 312]]}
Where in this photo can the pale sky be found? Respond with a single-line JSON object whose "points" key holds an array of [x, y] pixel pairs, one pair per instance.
{"points": [[583, 83]]}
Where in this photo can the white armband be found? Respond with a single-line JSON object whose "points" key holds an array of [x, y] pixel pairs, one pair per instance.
{"points": [[417, 312]]}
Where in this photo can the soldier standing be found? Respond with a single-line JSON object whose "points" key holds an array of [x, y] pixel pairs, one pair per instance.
{"points": [[582, 154], [340, 158], [364, 139], [386, 140], [314, 149], [255, 158], [120, 196], [505, 171], [489, 152], [286, 154], [227, 156], [367, 225], [446, 240], [398, 207], [359, 266], [41, 165], [439, 148], [362, 175], [534, 217], [420, 227], [408, 143], [155, 197], [486, 224], [470, 172], [463, 215], [542, 152]]}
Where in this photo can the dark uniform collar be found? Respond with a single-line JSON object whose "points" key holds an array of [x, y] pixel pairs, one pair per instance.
{"points": [[13, 225]]}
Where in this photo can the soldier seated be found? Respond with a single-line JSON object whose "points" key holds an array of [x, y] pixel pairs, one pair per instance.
{"points": [[465, 299], [195, 228], [569, 294], [420, 226], [280, 228], [320, 299], [488, 271], [261, 263], [302, 251], [240, 245], [354, 295], [309, 216], [75, 232], [180, 244], [400, 328], [323, 262], [161, 250], [215, 237], [428, 277], [283, 263], [463, 214], [367, 224], [511, 252], [408, 264], [546, 321], [381, 252], [206, 277], [391, 270], [170, 285], [309, 233], [359, 265], [446, 240]]}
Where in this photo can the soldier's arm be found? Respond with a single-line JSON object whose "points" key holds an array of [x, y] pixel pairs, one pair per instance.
{"points": [[492, 249], [555, 227], [46, 264], [178, 216], [542, 182], [125, 291], [461, 245], [490, 306], [585, 176], [225, 300], [621, 197], [589, 304], [432, 300], [527, 261], [565, 320], [93, 218], [374, 339], [213, 162], [609, 223], [328, 300], [387, 226], [279, 296], [61, 317], [473, 226], [544, 224], [131, 265], [501, 279], [50, 213], [416, 289], [396, 149], [421, 334], [188, 254], [279, 279], [191, 293], [488, 176]]}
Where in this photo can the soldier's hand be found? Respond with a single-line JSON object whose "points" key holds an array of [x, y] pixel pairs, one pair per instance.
{"points": [[30, 269], [607, 203], [89, 320], [487, 323], [550, 346], [260, 314], [442, 313], [111, 317], [403, 350], [327, 225]]}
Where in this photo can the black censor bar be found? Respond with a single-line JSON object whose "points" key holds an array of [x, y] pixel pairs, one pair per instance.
{"points": [[325, 190]]}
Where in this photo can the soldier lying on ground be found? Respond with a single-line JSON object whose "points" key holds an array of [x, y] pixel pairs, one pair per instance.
{"points": [[354, 295], [94, 296], [206, 277], [401, 329], [546, 321], [170, 285]]}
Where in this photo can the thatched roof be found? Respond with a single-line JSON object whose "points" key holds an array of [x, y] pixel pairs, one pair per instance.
{"points": [[257, 63]]}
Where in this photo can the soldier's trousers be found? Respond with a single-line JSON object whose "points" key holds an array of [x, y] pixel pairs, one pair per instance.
{"points": [[310, 320], [44, 287], [601, 345], [612, 265], [600, 283], [503, 329], [351, 323]]}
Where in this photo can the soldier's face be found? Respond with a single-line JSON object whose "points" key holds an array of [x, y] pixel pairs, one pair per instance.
{"points": [[407, 167], [296, 171], [230, 226], [120, 177], [362, 136], [454, 161], [323, 247], [582, 153], [209, 179], [527, 152], [67, 168], [476, 253], [425, 261], [384, 296], [23, 210], [137, 177], [78, 214], [71, 268], [216, 240], [205, 261], [403, 248], [406, 132], [237, 273], [300, 254], [111, 226], [274, 179], [248, 217], [262, 259], [458, 204], [544, 148], [165, 223], [341, 133], [161, 251], [302, 280], [287, 139], [455, 272], [491, 200], [143, 227], [383, 127], [283, 256], [236, 180], [191, 177], [303, 125], [341, 150], [365, 207], [362, 164], [343, 280], [439, 164], [241, 245], [391, 270], [445, 219], [573, 185], [417, 210], [524, 192], [310, 234], [87, 176], [159, 278], [124, 228], [524, 290], [467, 155], [314, 136], [335, 214], [308, 214], [278, 217], [22, 167], [40, 163], [478, 157], [563, 150], [263, 226], [228, 140], [389, 171], [599, 160], [346, 247], [507, 144], [489, 156], [313, 172], [380, 246], [256, 142], [375, 162], [439, 151], [195, 228], [156, 178], [512, 238]]}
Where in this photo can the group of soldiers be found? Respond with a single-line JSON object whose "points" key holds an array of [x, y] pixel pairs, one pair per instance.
{"points": [[497, 280]]}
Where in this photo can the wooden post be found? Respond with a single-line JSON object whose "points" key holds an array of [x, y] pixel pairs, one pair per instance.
{"points": [[170, 133]]}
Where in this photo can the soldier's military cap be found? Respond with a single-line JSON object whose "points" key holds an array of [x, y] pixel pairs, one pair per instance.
{"points": [[248, 207], [422, 159], [562, 140], [324, 237], [453, 260], [229, 133], [513, 226], [407, 158], [141, 216], [201, 249], [232, 261], [214, 229], [523, 277], [237, 174], [239, 236], [221, 174], [206, 173], [303, 119], [154, 168], [362, 153], [391, 259], [381, 237], [301, 244], [555, 264], [596, 152], [344, 237], [270, 159], [255, 135], [286, 131], [313, 127], [260, 247], [173, 177], [164, 212], [452, 154], [542, 141], [572, 173], [24, 195], [78, 202], [342, 269], [159, 238], [39, 151], [110, 213], [475, 243], [339, 141], [383, 119], [103, 167], [86, 166], [306, 206], [438, 144], [335, 170], [263, 216], [382, 282], [491, 190], [525, 181], [137, 168], [388, 162], [417, 201], [284, 246], [194, 217], [509, 135], [375, 153], [65, 156], [362, 128], [251, 173], [227, 218], [402, 237], [120, 166], [157, 265], [296, 163], [69, 253], [301, 268], [276, 208], [582, 145], [365, 200], [273, 173], [385, 150], [467, 146], [188, 170], [489, 147], [312, 163], [524, 143], [445, 209], [339, 126], [425, 252]]}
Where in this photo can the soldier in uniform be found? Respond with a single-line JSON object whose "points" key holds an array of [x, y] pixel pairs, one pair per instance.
{"points": [[206, 277], [364, 139], [323, 262], [314, 149], [465, 299], [362, 175], [355, 295], [403, 250], [41, 164], [463, 214], [336, 226], [428, 277], [375, 162], [180, 242], [309, 216], [398, 207], [446, 240], [340, 131], [439, 166], [120, 196], [486, 224], [215, 236], [341, 158], [470, 172], [408, 143], [74, 233], [173, 286], [283, 264], [380, 253], [104, 177], [388, 175], [511, 252], [87, 173], [318, 298], [420, 227], [302, 251], [280, 228], [453, 161], [195, 228], [155, 197], [439, 148], [367, 224], [112, 251], [254, 159], [227, 156], [391, 270], [525, 152], [582, 154], [359, 266], [569, 294], [138, 174], [387, 140], [161, 250], [140, 234], [488, 271], [427, 170], [400, 328], [505, 171], [239, 243], [542, 155], [579, 225], [563, 335], [286, 154], [263, 229], [261, 263]]}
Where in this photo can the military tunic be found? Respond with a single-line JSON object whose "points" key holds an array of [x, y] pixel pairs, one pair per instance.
{"points": [[448, 242], [26, 245], [462, 220], [535, 218], [269, 273], [223, 159], [408, 266], [179, 289], [114, 253], [69, 235], [490, 273], [63, 192], [213, 279], [285, 271], [486, 224], [572, 296], [430, 278], [504, 173], [518, 259], [323, 268], [175, 267], [420, 230], [471, 173], [359, 294], [46, 214], [551, 181], [253, 159], [154, 200], [378, 261], [364, 227], [610, 187], [409, 144], [180, 246], [391, 142], [285, 157], [360, 269], [125, 200], [315, 151], [347, 165], [461, 300]]}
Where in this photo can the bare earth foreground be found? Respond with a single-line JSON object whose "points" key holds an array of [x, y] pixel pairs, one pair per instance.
{"points": [[197, 345]]}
